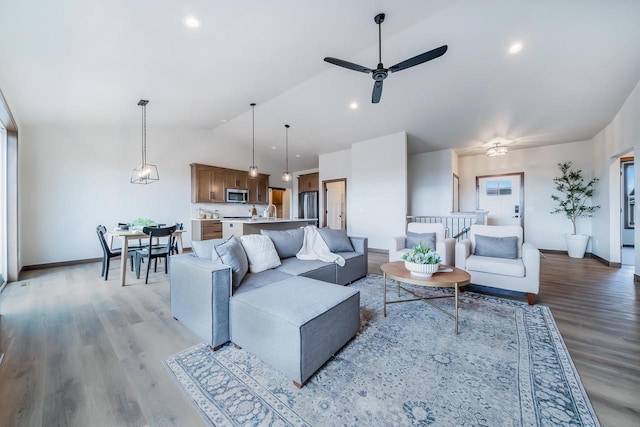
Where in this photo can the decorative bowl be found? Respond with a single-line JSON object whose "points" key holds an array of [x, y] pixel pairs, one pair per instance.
{"points": [[421, 270]]}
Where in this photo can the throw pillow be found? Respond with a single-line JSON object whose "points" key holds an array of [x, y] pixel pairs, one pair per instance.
{"points": [[260, 251], [336, 240], [427, 239], [231, 253], [497, 247], [287, 242], [203, 248]]}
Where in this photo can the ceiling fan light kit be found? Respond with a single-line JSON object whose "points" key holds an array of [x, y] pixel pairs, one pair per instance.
{"points": [[497, 150], [145, 173], [381, 73]]}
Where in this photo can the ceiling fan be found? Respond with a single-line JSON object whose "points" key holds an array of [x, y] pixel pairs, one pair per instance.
{"points": [[380, 73]]}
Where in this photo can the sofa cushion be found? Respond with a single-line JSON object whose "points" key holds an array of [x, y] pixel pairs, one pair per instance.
{"points": [[297, 267], [231, 253], [203, 248], [287, 242], [260, 251], [498, 247], [493, 265], [336, 240], [257, 280], [414, 239]]}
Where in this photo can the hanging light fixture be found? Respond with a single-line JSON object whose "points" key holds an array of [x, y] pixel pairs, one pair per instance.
{"points": [[145, 173], [497, 150], [253, 169], [286, 175]]}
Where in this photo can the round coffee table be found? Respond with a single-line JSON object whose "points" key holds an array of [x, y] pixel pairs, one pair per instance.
{"points": [[454, 279]]}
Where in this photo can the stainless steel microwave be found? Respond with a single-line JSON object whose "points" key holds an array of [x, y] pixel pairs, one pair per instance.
{"points": [[235, 195]]}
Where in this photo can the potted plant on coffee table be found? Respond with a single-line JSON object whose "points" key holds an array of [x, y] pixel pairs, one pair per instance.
{"points": [[572, 201], [421, 261]]}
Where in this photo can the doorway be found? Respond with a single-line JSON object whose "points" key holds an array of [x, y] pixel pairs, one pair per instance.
{"points": [[627, 214], [335, 203], [502, 196]]}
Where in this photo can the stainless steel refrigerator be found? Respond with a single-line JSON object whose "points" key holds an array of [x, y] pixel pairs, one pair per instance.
{"points": [[308, 205]]}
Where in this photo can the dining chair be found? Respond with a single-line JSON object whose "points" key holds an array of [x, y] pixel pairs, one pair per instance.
{"points": [[174, 239], [108, 253], [155, 251]]}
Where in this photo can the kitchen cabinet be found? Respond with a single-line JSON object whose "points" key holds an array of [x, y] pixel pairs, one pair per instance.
{"points": [[234, 178], [207, 184], [309, 182], [206, 229], [259, 189]]}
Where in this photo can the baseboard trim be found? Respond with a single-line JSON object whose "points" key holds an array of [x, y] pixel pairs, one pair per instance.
{"points": [[586, 255], [68, 263], [379, 251]]}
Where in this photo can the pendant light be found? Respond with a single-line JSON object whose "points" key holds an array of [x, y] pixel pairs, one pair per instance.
{"points": [[253, 169], [286, 175], [145, 173]]}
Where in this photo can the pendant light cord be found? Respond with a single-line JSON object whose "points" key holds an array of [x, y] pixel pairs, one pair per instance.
{"points": [[287, 149], [144, 135], [253, 135]]}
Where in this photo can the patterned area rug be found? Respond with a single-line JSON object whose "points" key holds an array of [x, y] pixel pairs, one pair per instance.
{"points": [[507, 367]]}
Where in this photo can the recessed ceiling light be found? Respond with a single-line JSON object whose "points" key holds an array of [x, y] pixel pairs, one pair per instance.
{"points": [[353, 105], [223, 120], [191, 22], [297, 155], [273, 147], [515, 48]]}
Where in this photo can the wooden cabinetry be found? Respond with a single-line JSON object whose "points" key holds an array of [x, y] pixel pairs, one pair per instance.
{"points": [[236, 179], [259, 189], [207, 184], [309, 182], [206, 230]]}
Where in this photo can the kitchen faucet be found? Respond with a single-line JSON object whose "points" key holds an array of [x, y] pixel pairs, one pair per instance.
{"points": [[275, 211]]}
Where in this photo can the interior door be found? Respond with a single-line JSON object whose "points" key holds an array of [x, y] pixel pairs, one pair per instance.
{"points": [[503, 197], [335, 204]]}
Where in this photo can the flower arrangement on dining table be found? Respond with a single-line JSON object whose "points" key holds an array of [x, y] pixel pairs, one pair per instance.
{"points": [[421, 261]]}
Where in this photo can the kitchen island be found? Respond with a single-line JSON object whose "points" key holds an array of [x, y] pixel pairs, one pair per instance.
{"points": [[240, 227]]}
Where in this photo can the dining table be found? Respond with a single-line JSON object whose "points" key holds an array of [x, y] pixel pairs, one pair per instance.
{"points": [[132, 234]]}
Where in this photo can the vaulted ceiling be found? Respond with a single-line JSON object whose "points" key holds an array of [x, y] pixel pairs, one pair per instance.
{"points": [[89, 62]]}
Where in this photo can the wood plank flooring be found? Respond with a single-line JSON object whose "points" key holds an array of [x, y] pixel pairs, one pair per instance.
{"points": [[80, 351]]}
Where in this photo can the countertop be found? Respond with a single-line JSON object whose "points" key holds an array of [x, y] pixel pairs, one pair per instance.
{"points": [[266, 221], [206, 219]]}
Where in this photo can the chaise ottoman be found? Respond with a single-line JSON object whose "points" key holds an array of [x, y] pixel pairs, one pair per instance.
{"points": [[295, 325]]}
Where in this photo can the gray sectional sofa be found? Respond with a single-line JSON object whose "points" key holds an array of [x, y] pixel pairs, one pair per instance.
{"points": [[294, 316]]}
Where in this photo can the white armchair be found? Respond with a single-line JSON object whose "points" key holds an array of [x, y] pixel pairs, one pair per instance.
{"points": [[445, 247], [521, 273]]}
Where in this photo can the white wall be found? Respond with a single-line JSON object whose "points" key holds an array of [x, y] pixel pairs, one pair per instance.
{"points": [[540, 166], [377, 197], [621, 136], [73, 178], [430, 183]]}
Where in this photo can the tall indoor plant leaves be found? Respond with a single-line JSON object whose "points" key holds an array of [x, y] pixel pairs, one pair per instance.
{"points": [[574, 194]]}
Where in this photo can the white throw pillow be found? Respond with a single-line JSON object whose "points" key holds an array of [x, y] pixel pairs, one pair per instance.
{"points": [[260, 251]]}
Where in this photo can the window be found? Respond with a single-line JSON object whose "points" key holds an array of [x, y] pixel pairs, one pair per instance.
{"points": [[498, 188], [628, 172]]}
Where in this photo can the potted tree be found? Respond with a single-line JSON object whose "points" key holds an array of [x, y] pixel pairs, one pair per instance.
{"points": [[572, 201]]}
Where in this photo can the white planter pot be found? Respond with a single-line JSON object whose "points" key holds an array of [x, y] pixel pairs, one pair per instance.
{"points": [[576, 244], [421, 270]]}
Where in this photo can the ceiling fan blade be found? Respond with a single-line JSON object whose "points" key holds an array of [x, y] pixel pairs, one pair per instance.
{"points": [[419, 59], [347, 64], [377, 92]]}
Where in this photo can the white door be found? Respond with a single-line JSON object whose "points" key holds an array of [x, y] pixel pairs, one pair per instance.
{"points": [[335, 199], [503, 197]]}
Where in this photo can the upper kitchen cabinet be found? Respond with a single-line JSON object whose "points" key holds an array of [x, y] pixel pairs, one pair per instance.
{"points": [[308, 182], [236, 179], [259, 189], [207, 184]]}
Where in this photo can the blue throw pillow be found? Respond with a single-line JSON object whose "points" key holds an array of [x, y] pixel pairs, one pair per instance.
{"points": [[287, 242], [414, 239], [336, 240], [232, 253], [497, 247]]}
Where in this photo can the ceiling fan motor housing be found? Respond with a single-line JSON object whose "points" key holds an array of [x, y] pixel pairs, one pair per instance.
{"points": [[379, 73]]}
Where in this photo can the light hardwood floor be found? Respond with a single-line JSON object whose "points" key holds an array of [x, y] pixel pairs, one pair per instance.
{"points": [[80, 351]]}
